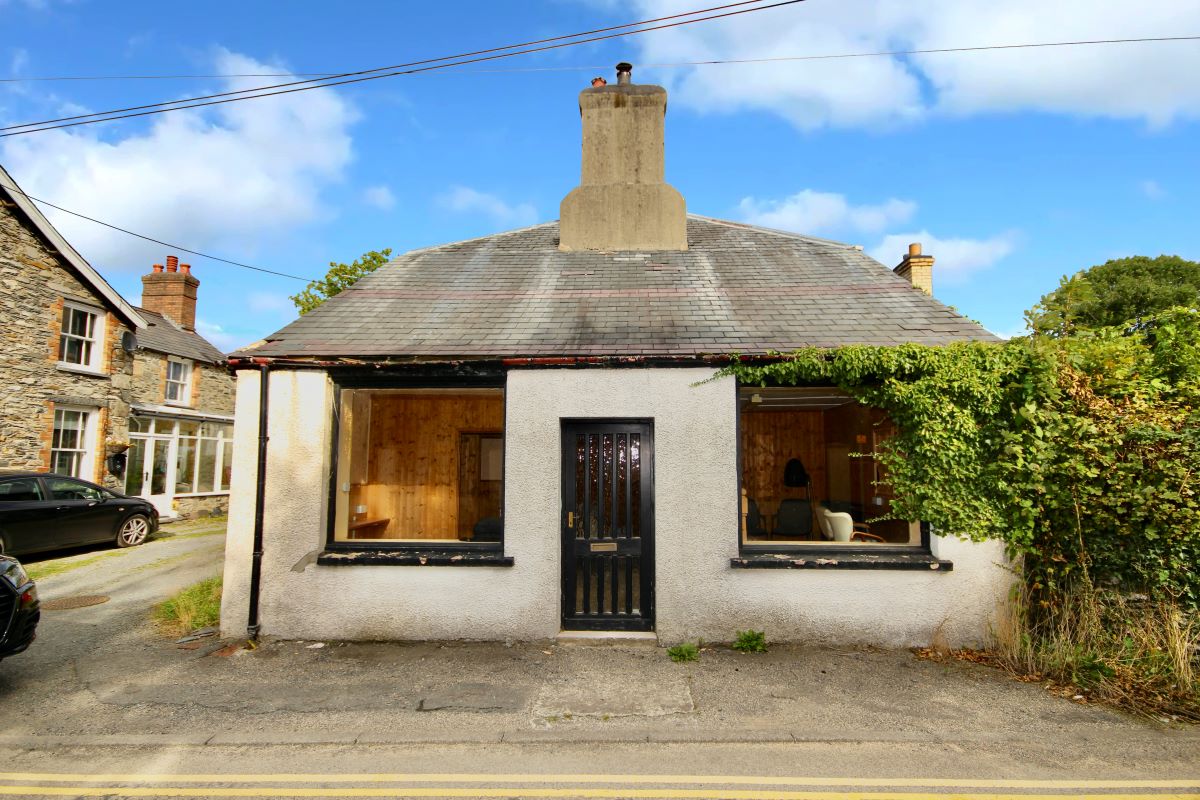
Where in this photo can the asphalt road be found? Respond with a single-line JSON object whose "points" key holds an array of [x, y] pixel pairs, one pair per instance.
{"points": [[103, 705], [135, 579]]}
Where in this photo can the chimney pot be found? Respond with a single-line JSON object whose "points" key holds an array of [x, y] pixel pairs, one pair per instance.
{"points": [[624, 73], [171, 292], [598, 81], [917, 269]]}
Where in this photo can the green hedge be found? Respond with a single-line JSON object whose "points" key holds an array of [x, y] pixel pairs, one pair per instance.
{"points": [[1082, 453]]}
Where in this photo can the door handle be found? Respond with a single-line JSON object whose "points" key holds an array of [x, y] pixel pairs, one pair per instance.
{"points": [[570, 519]]}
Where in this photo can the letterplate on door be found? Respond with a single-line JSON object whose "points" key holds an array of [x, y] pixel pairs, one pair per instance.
{"points": [[604, 547]]}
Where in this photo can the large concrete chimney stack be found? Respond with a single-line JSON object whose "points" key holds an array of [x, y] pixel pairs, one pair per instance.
{"points": [[622, 201]]}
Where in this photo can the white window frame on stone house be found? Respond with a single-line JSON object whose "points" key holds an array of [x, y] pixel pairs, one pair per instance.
{"points": [[182, 383], [89, 356], [81, 451]]}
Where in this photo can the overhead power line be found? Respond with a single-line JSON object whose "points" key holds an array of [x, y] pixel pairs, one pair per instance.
{"points": [[591, 67], [643, 65], [181, 248], [393, 71]]}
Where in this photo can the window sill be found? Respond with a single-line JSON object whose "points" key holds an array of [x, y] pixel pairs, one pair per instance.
{"points": [[176, 404], [415, 558], [81, 370], [826, 559]]}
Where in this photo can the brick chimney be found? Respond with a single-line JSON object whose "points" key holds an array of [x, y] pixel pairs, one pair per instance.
{"points": [[172, 292], [917, 269], [622, 201]]}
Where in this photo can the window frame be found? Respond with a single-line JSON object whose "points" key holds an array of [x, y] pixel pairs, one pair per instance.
{"points": [[87, 437], [818, 549], [489, 551], [186, 384], [95, 361]]}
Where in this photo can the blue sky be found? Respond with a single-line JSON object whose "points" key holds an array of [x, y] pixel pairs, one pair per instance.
{"points": [[1013, 168]]}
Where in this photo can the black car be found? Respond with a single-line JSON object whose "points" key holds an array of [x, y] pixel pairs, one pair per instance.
{"points": [[41, 511], [18, 608]]}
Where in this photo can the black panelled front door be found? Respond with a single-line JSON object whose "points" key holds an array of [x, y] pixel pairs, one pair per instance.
{"points": [[608, 526]]}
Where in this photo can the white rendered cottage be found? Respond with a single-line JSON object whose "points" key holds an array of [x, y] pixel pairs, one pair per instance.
{"points": [[512, 437]]}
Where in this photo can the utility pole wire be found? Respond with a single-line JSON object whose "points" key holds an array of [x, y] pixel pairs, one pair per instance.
{"points": [[592, 67], [10, 188], [391, 69]]}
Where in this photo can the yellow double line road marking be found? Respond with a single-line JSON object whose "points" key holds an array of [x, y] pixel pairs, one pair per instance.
{"points": [[542, 777], [713, 793], [715, 787]]}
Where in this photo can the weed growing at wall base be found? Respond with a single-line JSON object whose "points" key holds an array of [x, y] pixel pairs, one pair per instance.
{"points": [[1081, 453]]}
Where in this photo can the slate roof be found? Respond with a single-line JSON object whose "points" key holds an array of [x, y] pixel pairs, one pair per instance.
{"points": [[163, 336], [737, 288]]}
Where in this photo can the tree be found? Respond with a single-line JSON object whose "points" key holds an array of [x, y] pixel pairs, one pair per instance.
{"points": [[339, 278], [1116, 292]]}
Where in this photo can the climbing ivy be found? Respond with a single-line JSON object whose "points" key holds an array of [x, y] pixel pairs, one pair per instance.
{"points": [[1081, 453]]}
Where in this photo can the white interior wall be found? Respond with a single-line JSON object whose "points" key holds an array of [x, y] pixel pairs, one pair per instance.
{"points": [[698, 593]]}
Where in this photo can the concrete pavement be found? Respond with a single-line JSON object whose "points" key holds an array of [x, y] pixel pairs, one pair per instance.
{"points": [[102, 692]]}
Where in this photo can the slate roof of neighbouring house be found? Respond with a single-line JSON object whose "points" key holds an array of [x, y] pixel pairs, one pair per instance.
{"points": [[737, 288], [162, 335]]}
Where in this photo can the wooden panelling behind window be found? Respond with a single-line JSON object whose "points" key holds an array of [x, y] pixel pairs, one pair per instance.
{"points": [[413, 474], [477, 498], [769, 440]]}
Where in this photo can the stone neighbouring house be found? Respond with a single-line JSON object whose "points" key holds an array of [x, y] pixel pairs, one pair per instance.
{"points": [[83, 373], [518, 436]]}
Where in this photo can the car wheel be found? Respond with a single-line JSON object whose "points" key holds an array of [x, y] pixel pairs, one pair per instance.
{"points": [[133, 531]]}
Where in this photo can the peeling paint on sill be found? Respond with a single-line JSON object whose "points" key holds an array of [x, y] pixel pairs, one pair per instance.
{"points": [[415, 558]]}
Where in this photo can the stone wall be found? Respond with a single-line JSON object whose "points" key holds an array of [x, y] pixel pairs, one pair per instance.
{"points": [[216, 389], [34, 281], [212, 386], [207, 506]]}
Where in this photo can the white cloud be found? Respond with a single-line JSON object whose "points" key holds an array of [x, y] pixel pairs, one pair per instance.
{"points": [[465, 200], [955, 258], [380, 197], [223, 178], [1150, 81], [225, 341], [820, 212], [1152, 189]]}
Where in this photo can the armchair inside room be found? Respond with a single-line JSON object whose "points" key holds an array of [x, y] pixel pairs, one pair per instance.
{"points": [[794, 519], [839, 526]]}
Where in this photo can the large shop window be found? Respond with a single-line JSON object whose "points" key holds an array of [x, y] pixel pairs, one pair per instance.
{"points": [[809, 476], [420, 467]]}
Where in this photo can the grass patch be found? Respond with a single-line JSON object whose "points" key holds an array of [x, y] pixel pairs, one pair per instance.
{"points": [[751, 642], [1136, 654], [47, 569], [192, 528], [684, 652], [198, 606]]}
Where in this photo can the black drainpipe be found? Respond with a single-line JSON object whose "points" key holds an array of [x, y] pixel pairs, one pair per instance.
{"points": [[260, 491]]}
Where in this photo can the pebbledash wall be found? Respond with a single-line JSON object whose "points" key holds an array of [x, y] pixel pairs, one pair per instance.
{"points": [[696, 533]]}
